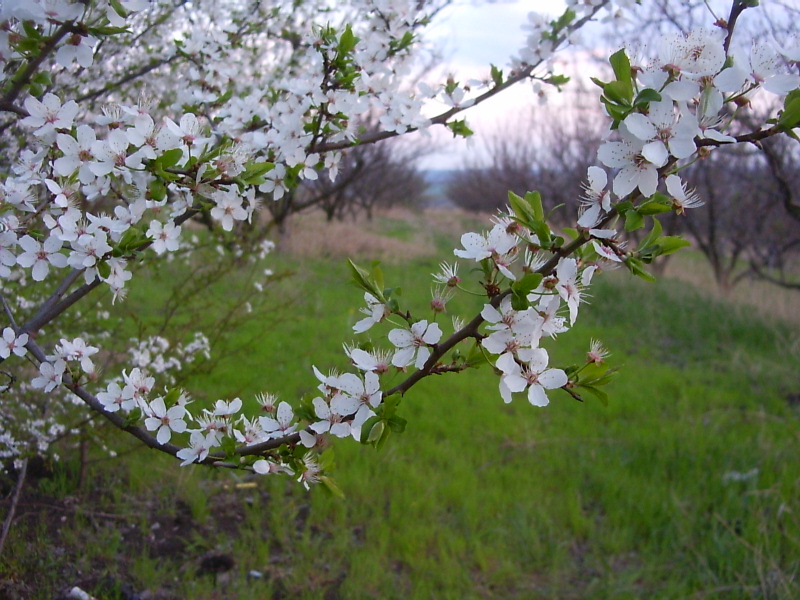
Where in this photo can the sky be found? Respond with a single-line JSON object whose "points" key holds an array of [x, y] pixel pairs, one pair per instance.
{"points": [[473, 36]]}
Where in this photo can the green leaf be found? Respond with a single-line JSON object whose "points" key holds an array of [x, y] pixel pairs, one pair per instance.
{"points": [[31, 30], [520, 208], [557, 80], [170, 158], [133, 417], [534, 199], [384, 436], [397, 424], [497, 76], [131, 240], [329, 485], [624, 206], [652, 236], [653, 208], [528, 283], [42, 78], [563, 21], [622, 71], [542, 232], [636, 267], [367, 427], [253, 173], [108, 30], [616, 112], [347, 41], [519, 301], [459, 128], [305, 411], [377, 276], [172, 397], [671, 243], [597, 375], [573, 233], [157, 190], [103, 269], [476, 357], [396, 46], [619, 93], [790, 115], [228, 446], [633, 220], [365, 281], [118, 8], [597, 393], [646, 96]]}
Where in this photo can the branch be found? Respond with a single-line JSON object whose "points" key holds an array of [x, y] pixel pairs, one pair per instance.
{"points": [[14, 501], [442, 118], [779, 281], [752, 137], [737, 8], [53, 306], [8, 106], [130, 77], [22, 78]]}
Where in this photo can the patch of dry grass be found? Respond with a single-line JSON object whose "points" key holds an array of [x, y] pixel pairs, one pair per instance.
{"points": [[767, 300], [392, 236], [398, 235]]}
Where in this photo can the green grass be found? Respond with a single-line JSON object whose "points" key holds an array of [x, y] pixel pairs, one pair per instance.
{"points": [[478, 499]]}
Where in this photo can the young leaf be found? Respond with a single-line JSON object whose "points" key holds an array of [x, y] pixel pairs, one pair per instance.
{"points": [[528, 283], [459, 128], [597, 393], [497, 75], [329, 485], [347, 42], [671, 243], [633, 220], [646, 96], [622, 71], [534, 200], [636, 267], [618, 93], [790, 115]]}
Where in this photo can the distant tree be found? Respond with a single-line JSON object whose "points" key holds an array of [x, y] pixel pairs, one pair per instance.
{"points": [[775, 257], [736, 181], [547, 149], [371, 177]]}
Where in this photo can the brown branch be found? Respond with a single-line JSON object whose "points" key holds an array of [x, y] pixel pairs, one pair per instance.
{"points": [[55, 306], [8, 106], [23, 78], [752, 137], [737, 8], [130, 77], [442, 118], [14, 501]]}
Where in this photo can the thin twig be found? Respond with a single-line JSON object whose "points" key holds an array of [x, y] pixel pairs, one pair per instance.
{"points": [[442, 118], [10, 516]]}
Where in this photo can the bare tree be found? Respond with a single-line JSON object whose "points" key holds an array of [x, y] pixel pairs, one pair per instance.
{"points": [[760, 180], [548, 149], [775, 258], [370, 177]]}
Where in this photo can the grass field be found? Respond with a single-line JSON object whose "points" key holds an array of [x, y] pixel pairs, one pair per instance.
{"points": [[686, 486]]}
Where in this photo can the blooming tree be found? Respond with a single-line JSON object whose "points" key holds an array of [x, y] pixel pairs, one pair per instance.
{"points": [[106, 159]]}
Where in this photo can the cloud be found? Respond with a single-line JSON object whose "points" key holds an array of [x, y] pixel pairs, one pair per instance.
{"points": [[474, 36]]}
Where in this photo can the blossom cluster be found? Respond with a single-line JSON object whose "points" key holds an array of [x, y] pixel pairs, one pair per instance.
{"points": [[106, 175], [692, 88]]}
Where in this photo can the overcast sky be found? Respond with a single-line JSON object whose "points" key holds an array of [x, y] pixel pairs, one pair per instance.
{"points": [[472, 36]]}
